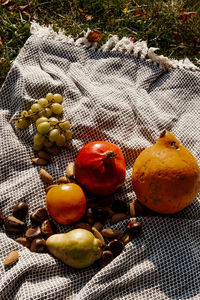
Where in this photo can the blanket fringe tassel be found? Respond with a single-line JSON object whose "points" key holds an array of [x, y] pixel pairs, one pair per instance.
{"points": [[125, 45]]}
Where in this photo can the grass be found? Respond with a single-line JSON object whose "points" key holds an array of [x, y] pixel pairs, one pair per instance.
{"points": [[171, 26]]}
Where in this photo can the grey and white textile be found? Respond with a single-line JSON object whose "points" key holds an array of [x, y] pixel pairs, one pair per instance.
{"points": [[123, 97]]}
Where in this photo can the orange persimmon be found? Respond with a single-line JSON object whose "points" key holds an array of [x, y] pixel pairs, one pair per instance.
{"points": [[66, 203], [166, 176]]}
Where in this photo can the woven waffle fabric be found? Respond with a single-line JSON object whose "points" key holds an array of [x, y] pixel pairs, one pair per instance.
{"points": [[107, 96]]}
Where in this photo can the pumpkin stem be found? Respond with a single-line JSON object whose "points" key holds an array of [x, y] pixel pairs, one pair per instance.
{"points": [[163, 133], [109, 155]]}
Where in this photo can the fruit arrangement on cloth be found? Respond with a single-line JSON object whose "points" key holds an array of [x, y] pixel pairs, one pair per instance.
{"points": [[165, 179], [166, 176]]}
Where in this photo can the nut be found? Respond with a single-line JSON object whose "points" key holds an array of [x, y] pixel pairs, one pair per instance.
{"points": [[11, 258], [83, 225], [70, 170], [14, 225], [116, 247], [134, 227], [20, 210], [53, 150], [98, 226], [109, 210], [90, 216], [47, 229], [39, 215], [63, 180], [23, 241], [100, 214], [119, 206], [39, 161], [118, 217], [98, 235], [112, 234], [106, 258], [43, 155], [126, 238], [132, 208], [50, 187], [45, 176], [38, 245], [33, 233]]}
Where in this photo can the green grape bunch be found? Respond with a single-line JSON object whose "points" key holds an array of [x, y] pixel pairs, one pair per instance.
{"points": [[50, 131]]}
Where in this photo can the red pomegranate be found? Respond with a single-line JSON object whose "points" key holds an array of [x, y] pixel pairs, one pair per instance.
{"points": [[100, 167]]}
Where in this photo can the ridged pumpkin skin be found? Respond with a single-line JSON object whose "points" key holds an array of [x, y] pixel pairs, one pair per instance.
{"points": [[166, 176]]}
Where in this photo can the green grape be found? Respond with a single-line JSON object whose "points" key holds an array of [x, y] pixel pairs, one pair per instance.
{"points": [[64, 125], [38, 139], [57, 98], [43, 101], [24, 113], [49, 97], [53, 135], [56, 108], [68, 135], [29, 111], [47, 112], [22, 124], [47, 143], [40, 120], [53, 121], [60, 141], [43, 127], [36, 107], [37, 147]]}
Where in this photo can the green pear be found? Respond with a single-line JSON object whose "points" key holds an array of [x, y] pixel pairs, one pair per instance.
{"points": [[77, 248]]}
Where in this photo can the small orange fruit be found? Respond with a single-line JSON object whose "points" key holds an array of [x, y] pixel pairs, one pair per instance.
{"points": [[66, 203]]}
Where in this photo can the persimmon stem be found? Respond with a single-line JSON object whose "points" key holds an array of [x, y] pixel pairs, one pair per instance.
{"points": [[109, 155], [163, 133]]}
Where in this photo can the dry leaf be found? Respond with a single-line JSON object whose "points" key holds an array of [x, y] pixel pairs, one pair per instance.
{"points": [[88, 17], [23, 7], [85, 14], [133, 38], [94, 36], [138, 12], [11, 5], [82, 12], [8, 3], [185, 16]]}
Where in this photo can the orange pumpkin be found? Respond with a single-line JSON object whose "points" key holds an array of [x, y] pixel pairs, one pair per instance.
{"points": [[166, 176]]}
